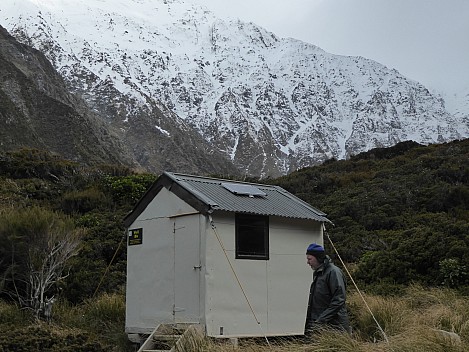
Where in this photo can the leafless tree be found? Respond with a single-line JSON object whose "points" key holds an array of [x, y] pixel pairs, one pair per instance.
{"points": [[47, 263], [38, 245]]}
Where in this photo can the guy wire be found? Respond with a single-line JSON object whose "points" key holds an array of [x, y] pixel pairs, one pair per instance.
{"points": [[237, 279], [356, 286], [109, 265]]}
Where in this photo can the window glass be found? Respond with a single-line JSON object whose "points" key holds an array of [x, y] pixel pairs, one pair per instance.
{"points": [[252, 237]]}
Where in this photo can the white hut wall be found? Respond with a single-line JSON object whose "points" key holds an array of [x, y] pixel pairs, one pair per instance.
{"points": [[289, 277], [227, 311], [276, 289], [151, 265]]}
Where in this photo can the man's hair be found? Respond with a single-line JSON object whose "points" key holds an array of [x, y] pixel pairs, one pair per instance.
{"points": [[320, 256]]}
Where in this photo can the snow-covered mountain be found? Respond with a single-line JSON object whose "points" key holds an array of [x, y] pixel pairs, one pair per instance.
{"points": [[270, 104], [458, 105]]}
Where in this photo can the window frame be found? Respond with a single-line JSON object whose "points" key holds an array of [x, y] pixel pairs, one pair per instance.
{"points": [[242, 221]]}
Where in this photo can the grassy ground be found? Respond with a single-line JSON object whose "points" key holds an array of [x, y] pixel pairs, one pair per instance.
{"points": [[412, 322]]}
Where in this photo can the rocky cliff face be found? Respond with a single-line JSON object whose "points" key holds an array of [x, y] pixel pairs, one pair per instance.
{"points": [[171, 77], [38, 111]]}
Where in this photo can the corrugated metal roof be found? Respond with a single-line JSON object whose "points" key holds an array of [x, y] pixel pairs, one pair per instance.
{"points": [[276, 201]]}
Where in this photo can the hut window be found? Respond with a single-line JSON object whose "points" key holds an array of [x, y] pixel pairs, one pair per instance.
{"points": [[252, 237]]}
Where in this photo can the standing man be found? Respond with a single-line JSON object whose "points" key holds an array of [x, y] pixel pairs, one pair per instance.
{"points": [[326, 305]]}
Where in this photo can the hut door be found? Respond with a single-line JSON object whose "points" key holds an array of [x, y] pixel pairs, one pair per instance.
{"points": [[187, 268]]}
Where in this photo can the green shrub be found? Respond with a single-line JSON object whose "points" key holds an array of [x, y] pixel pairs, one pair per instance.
{"points": [[84, 201], [453, 273], [35, 163], [128, 188]]}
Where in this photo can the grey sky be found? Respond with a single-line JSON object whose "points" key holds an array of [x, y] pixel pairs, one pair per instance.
{"points": [[426, 40]]}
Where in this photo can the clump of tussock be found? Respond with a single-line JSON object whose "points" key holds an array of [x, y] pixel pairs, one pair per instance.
{"points": [[193, 339], [418, 320], [11, 314], [424, 339], [440, 309], [391, 313], [96, 313], [336, 341], [419, 297], [101, 318], [105, 308]]}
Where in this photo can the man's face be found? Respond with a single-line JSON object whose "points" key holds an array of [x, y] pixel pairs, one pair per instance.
{"points": [[312, 261]]}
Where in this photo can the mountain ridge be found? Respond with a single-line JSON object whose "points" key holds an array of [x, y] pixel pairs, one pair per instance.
{"points": [[270, 104], [39, 112], [35, 103]]}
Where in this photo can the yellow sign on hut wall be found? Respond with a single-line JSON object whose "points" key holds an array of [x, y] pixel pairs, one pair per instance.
{"points": [[135, 236]]}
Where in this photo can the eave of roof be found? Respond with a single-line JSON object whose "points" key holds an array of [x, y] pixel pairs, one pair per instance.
{"points": [[208, 195]]}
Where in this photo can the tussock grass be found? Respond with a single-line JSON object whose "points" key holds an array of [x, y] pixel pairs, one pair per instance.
{"points": [[391, 314], [105, 308], [100, 312], [193, 340], [12, 315], [337, 341], [418, 320], [330, 341], [424, 339], [100, 319]]}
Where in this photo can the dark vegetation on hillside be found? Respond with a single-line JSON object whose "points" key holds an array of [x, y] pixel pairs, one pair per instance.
{"points": [[401, 216], [400, 213], [96, 199]]}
